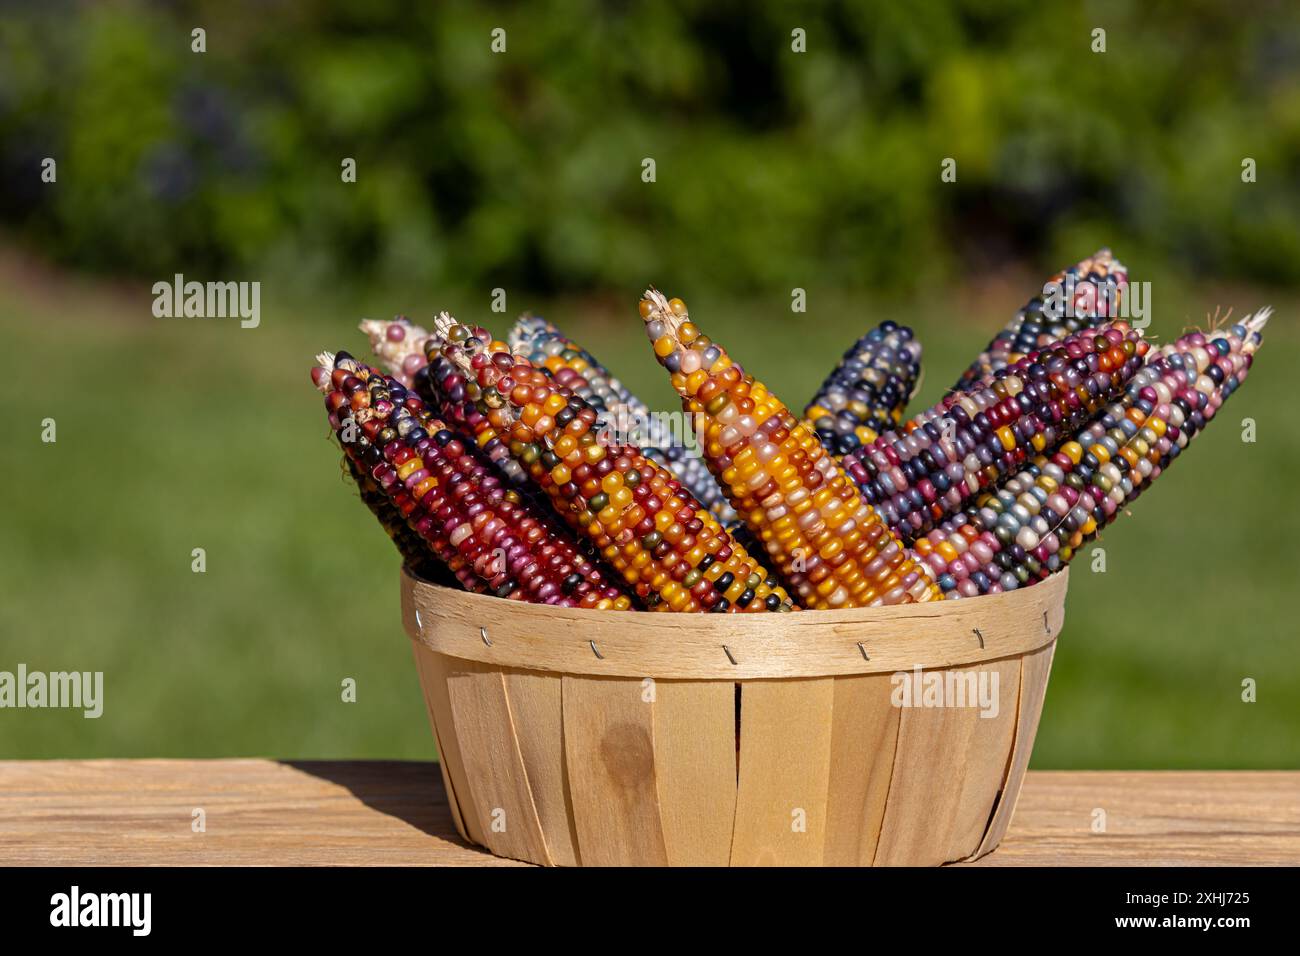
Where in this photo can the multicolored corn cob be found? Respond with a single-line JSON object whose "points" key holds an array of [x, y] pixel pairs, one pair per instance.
{"points": [[414, 352], [828, 543], [414, 551], [1097, 285], [867, 392], [332, 370], [399, 346], [482, 531], [569, 364], [939, 460], [1040, 518], [664, 543], [578, 370]]}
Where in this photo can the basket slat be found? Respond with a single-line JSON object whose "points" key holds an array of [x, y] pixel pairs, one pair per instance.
{"points": [[493, 762], [433, 679], [536, 710], [697, 773], [864, 735], [452, 802], [785, 758], [609, 753], [984, 769], [1034, 671], [925, 792]]}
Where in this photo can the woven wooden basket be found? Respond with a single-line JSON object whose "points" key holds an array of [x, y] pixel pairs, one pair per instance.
{"points": [[603, 738]]}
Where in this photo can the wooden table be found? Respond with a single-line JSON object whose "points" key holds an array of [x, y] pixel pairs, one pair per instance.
{"points": [[90, 812]]}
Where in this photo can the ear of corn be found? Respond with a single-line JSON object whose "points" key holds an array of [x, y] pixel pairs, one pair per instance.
{"points": [[827, 542], [1098, 284], [412, 355], [331, 372], [483, 532], [399, 346], [408, 349], [578, 370], [667, 546], [868, 391], [411, 546], [447, 389], [572, 366], [933, 466], [1042, 515]]}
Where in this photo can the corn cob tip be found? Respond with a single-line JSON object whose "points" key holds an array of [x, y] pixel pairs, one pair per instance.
{"points": [[454, 335], [664, 319], [526, 328], [656, 305], [527, 322], [321, 372], [379, 329], [400, 346], [443, 323], [656, 298], [1257, 321], [1105, 255]]}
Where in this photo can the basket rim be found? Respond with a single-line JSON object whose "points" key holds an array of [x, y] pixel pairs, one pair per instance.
{"points": [[850, 641]]}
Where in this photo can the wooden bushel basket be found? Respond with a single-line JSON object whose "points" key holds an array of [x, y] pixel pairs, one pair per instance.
{"points": [[598, 738]]}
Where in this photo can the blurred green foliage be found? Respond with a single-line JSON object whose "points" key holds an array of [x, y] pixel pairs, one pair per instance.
{"points": [[774, 168]]}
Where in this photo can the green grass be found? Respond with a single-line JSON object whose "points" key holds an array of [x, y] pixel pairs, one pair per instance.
{"points": [[178, 434]]}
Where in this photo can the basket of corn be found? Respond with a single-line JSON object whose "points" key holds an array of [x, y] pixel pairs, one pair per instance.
{"points": [[817, 639]]}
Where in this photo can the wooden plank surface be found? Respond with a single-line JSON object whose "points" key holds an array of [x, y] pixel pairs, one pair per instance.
{"points": [[140, 812], [381, 812], [1155, 818]]}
